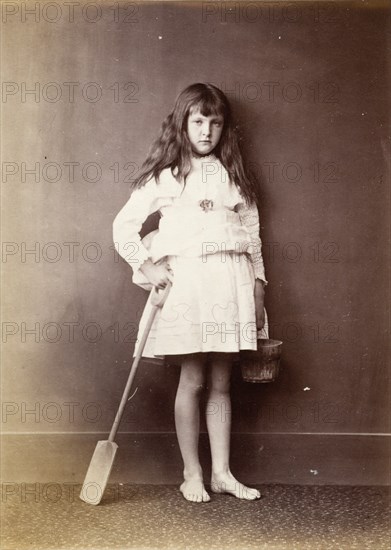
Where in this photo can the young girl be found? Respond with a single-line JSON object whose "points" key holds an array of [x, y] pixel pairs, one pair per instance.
{"points": [[208, 249]]}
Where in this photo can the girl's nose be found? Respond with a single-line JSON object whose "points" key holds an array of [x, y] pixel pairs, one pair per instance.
{"points": [[206, 129]]}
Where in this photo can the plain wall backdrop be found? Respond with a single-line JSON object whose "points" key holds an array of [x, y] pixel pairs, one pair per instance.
{"points": [[308, 86]]}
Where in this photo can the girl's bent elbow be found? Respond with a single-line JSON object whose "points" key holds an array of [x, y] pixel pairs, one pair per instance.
{"points": [[118, 227]]}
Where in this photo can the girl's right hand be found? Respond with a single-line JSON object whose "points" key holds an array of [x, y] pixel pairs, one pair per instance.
{"points": [[158, 275]]}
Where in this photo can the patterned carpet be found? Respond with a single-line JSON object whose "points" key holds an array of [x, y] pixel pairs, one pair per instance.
{"points": [[157, 517]]}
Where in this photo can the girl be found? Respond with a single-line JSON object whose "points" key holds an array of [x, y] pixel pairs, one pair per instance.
{"points": [[208, 249]]}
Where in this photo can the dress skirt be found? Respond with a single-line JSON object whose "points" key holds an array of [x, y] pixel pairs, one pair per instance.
{"points": [[210, 308]]}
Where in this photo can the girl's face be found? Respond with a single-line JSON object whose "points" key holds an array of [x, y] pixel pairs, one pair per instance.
{"points": [[204, 132]]}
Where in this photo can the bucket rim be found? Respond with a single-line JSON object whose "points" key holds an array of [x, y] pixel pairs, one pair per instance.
{"points": [[269, 342]]}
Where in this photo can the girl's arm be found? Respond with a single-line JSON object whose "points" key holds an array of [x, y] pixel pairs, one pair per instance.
{"points": [[250, 218], [127, 224]]}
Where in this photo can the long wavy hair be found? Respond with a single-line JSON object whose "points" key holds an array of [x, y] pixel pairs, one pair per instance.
{"points": [[172, 148]]}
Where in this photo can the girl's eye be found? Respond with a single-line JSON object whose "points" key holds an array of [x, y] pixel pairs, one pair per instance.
{"points": [[218, 124]]}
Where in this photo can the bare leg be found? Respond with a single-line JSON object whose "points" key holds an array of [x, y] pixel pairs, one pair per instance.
{"points": [[218, 420], [187, 422]]}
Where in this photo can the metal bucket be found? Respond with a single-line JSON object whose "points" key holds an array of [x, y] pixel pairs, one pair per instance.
{"points": [[262, 365]]}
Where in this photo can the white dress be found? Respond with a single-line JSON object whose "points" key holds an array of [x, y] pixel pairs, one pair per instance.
{"points": [[214, 254]]}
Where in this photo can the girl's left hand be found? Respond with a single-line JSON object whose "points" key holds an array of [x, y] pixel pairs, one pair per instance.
{"points": [[259, 296]]}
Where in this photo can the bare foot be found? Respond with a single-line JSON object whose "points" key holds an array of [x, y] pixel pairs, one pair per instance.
{"points": [[226, 483], [194, 491]]}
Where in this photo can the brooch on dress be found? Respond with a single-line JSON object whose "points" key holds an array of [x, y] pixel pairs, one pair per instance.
{"points": [[206, 205]]}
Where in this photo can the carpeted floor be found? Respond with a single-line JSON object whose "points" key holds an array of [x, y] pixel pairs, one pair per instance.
{"points": [[158, 517]]}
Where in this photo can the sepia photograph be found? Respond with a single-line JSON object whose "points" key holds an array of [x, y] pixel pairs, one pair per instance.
{"points": [[195, 275]]}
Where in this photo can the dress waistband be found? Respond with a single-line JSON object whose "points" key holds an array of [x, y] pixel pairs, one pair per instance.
{"points": [[187, 232], [210, 217]]}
